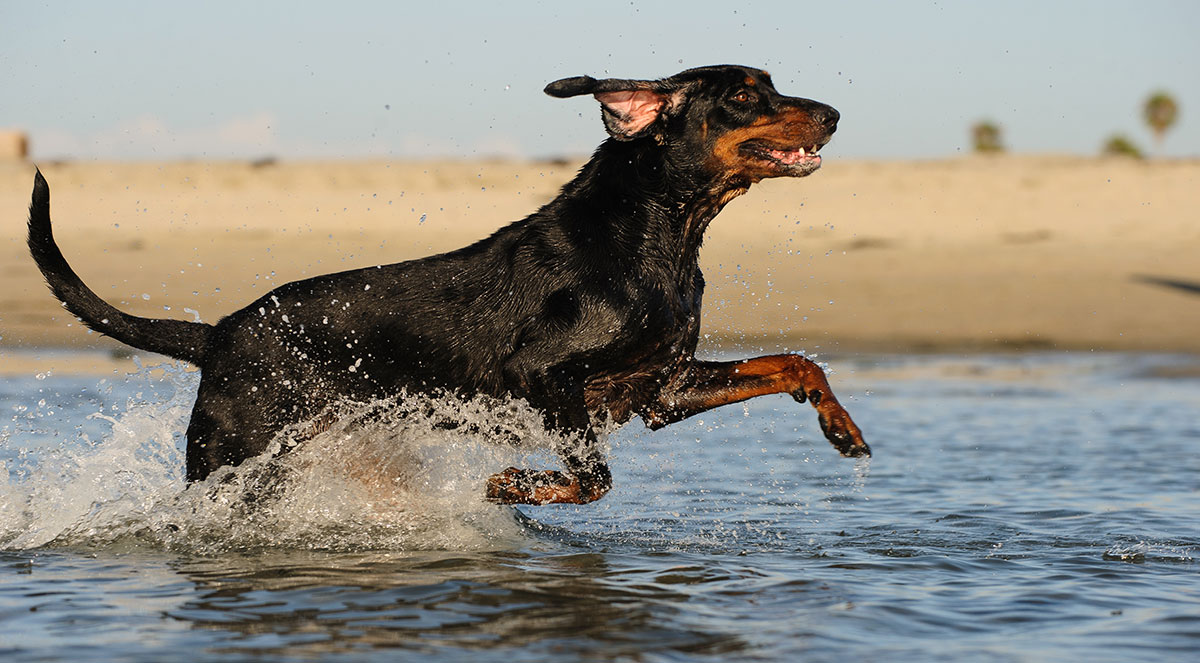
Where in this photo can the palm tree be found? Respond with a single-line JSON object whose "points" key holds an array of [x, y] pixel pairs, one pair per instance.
{"points": [[985, 135], [1160, 112]]}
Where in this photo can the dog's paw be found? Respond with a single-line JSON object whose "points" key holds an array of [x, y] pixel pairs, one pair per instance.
{"points": [[815, 396], [507, 487], [843, 434], [517, 486]]}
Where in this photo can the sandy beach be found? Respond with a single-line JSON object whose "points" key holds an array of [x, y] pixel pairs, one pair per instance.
{"points": [[966, 254]]}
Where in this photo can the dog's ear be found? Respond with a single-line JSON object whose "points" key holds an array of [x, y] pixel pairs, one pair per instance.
{"points": [[631, 108]]}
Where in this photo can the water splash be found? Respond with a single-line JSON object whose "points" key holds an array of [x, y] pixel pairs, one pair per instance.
{"points": [[404, 473], [1146, 551]]}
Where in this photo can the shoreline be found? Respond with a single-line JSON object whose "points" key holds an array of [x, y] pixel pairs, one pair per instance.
{"points": [[848, 365], [972, 254]]}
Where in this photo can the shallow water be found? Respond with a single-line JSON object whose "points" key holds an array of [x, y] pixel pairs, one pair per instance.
{"points": [[1035, 507]]}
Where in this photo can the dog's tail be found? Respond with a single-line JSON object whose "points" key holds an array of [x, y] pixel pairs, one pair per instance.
{"points": [[174, 338]]}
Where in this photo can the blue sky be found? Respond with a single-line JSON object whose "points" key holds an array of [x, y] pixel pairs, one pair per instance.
{"points": [[142, 80]]}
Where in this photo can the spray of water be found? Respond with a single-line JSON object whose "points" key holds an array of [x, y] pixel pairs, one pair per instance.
{"points": [[403, 473]]}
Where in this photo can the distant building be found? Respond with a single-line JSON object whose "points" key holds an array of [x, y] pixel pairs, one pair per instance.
{"points": [[14, 145]]}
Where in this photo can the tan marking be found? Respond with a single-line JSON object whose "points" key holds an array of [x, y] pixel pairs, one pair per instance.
{"points": [[552, 489], [733, 382], [728, 195], [750, 81], [791, 128], [321, 423]]}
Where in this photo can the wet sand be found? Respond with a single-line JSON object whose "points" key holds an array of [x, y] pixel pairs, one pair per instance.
{"points": [[969, 254]]}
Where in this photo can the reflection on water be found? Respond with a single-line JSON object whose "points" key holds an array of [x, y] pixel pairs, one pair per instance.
{"points": [[1018, 507], [433, 601]]}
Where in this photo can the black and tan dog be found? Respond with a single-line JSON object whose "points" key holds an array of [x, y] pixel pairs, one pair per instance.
{"points": [[589, 309]]}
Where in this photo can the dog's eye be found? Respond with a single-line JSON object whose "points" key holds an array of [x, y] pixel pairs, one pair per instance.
{"points": [[743, 97]]}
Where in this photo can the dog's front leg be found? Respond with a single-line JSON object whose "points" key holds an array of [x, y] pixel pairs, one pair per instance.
{"points": [[703, 385], [587, 478]]}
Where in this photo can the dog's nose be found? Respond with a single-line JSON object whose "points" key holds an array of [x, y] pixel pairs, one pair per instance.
{"points": [[827, 116]]}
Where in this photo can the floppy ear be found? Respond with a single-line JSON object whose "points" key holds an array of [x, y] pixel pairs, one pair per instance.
{"points": [[631, 108]]}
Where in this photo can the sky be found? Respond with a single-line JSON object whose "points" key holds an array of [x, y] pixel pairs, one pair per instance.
{"points": [[297, 80]]}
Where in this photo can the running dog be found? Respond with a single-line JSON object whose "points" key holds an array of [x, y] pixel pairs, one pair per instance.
{"points": [[588, 309]]}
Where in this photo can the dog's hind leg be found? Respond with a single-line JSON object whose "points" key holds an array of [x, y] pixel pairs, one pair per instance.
{"points": [[214, 440], [226, 427], [704, 385]]}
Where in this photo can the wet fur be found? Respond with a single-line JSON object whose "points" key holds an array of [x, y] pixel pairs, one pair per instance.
{"points": [[589, 308]]}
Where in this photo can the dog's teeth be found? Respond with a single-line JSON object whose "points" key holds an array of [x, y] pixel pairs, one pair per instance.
{"points": [[802, 152]]}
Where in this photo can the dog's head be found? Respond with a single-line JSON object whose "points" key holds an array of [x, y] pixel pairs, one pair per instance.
{"points": [[727, 119]]}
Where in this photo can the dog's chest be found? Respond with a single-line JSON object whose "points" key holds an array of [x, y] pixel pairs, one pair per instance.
{"points": [[666, 339]]}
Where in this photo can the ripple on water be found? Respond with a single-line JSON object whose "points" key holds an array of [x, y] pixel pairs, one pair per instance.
{"points": [[1033, 508]]}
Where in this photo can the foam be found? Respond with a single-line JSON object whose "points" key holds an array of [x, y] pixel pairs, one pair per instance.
{"points": [[404, 473]]}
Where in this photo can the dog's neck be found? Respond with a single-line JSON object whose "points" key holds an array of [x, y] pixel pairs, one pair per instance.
{"points": [[655, 207]]}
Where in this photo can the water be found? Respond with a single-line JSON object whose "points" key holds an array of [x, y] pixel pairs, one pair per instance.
{"points": [[1032, 507]]}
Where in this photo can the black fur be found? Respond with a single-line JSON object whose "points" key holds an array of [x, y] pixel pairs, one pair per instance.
{"points": [[588, 308], [174, 338]]}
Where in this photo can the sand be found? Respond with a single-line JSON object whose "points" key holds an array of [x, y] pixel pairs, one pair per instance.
{"points": [[967, 254]]}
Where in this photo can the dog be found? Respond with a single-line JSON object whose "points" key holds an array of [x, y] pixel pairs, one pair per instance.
{"points": [[588, 309]]}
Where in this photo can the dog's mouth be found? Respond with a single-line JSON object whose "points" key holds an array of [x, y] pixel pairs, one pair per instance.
{"points": [[795, 161]]}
